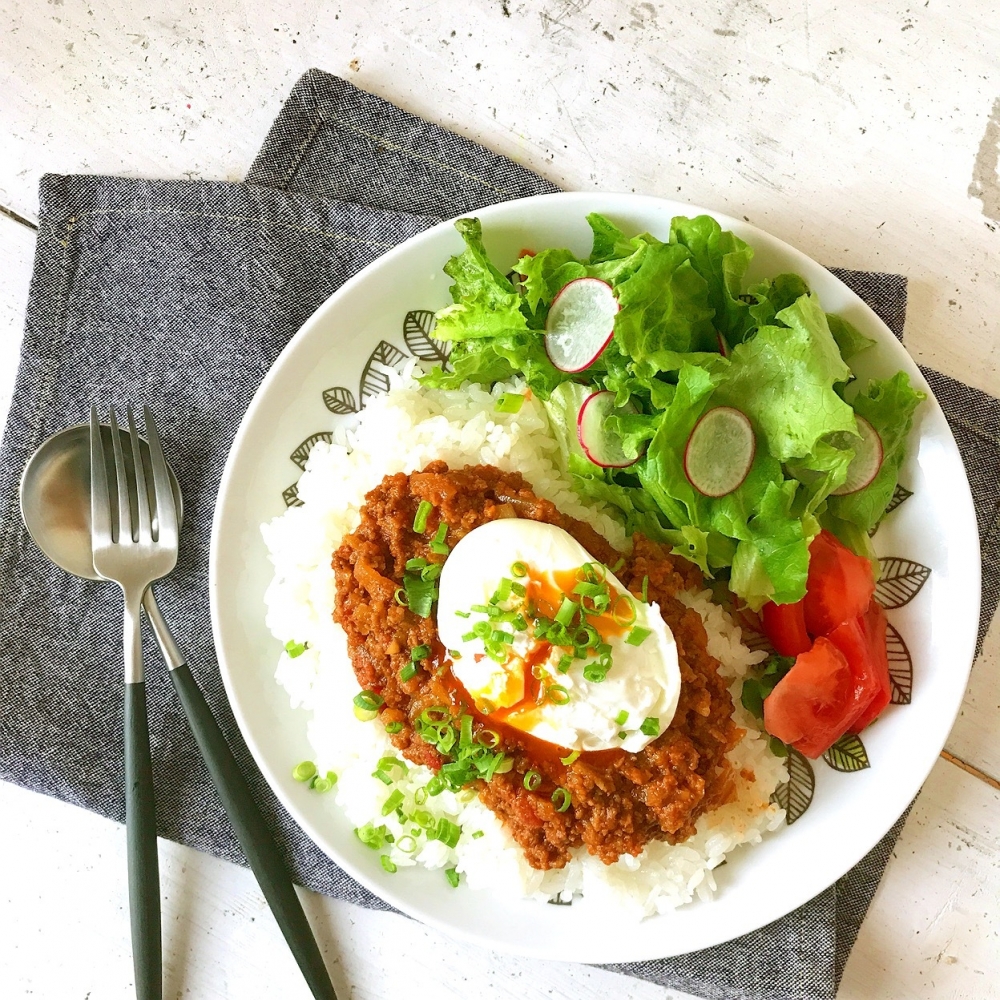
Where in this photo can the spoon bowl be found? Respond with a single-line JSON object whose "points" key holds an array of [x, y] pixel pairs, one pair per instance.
{"points": [[55, 496]]}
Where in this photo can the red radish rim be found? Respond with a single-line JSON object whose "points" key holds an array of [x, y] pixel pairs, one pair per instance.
{"points": [[574, 371], [583, 445], [604, 344], [876, 468], [750, 461]]}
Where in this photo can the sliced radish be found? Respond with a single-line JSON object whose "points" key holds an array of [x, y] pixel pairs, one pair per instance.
{"points": [[720, 451], [866, 462], [580, 323], [600, 445]]}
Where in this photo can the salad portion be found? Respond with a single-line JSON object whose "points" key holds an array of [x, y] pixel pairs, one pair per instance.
{"points": [[720, 420]]}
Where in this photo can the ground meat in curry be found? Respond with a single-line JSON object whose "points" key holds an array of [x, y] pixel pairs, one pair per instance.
{"points": [[620, 801]]}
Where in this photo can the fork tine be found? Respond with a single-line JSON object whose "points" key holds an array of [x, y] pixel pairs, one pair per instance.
{"points": [[100, 497], [166, 511], [124, 508], [145, 527]]}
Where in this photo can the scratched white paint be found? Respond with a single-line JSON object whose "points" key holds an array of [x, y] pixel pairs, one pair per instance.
{"points": [[851, 130], [856, 131]]}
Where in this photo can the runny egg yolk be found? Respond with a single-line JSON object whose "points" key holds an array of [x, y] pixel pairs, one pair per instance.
{"points": [[550, 642]]}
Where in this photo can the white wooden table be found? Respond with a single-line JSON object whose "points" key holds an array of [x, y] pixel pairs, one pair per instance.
{"points": [[864, 132]]}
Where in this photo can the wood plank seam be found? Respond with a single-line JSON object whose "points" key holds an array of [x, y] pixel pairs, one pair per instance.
{"points": [[971, 769], [11, 214]]}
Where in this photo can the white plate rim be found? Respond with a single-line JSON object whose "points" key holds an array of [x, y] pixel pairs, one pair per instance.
{"points": [[578, 202]]}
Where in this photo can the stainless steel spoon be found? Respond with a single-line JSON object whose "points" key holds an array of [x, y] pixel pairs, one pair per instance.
{"points": [[55, 506]]}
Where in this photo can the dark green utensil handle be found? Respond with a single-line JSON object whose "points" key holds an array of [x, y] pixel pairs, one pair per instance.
{"points": [[143, 861], [253, 834]]}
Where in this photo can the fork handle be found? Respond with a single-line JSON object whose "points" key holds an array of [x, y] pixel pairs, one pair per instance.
{"points": [[143, 861], [253, 834]]}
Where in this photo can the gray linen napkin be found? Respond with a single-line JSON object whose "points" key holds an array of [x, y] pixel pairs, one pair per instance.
{"points": [[182, 294]]}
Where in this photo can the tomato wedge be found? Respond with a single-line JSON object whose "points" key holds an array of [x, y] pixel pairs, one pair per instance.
{"points": [[813, 704], [839, 586], [785, 626], [875, 625], [862, 641]]}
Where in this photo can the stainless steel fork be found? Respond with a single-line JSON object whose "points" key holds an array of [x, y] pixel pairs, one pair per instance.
{"points": [[132, 552]]}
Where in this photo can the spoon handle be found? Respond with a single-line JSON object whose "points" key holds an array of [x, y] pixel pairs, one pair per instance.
{"points": [[253, 834], [140, 823]]}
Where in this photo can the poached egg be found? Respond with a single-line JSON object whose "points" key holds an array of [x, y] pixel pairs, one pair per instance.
{"points": [[522, 676]]}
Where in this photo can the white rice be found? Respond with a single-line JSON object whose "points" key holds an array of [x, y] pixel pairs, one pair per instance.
{"points": [[403, 431]]}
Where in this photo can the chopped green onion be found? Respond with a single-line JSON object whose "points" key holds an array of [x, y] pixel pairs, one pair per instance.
{"points": [[566, 611], [478, 834], [463, 614], [454, 654], [432, 570], [400, 597], [621, 718], [532, 780], [447, 832], [488, 738], [393, 727], [293, 648], [304, 771], [442, 532], [645, 590], [388, 763], [638, 636], [414, 565], [451, 874], [434, 715], [518, 569], [650, 726], [420, 594], [420, 653], [465, 739], [570, 758], [502, 591], [371, 836], [408, 672], [420, 796], [435, 786], [618, 565], [622, 735], [382, 776], [508, 402], [439, 548], [595, 672], [390, 803], [627, 615], [368, 700], [420, 520], [406, 844], [557, 694], [388, 864], [565, 662], [592, 572], [324, 784], [561, 800]]}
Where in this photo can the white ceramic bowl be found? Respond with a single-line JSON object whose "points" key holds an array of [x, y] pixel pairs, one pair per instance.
{"points": [[936, 528]]}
